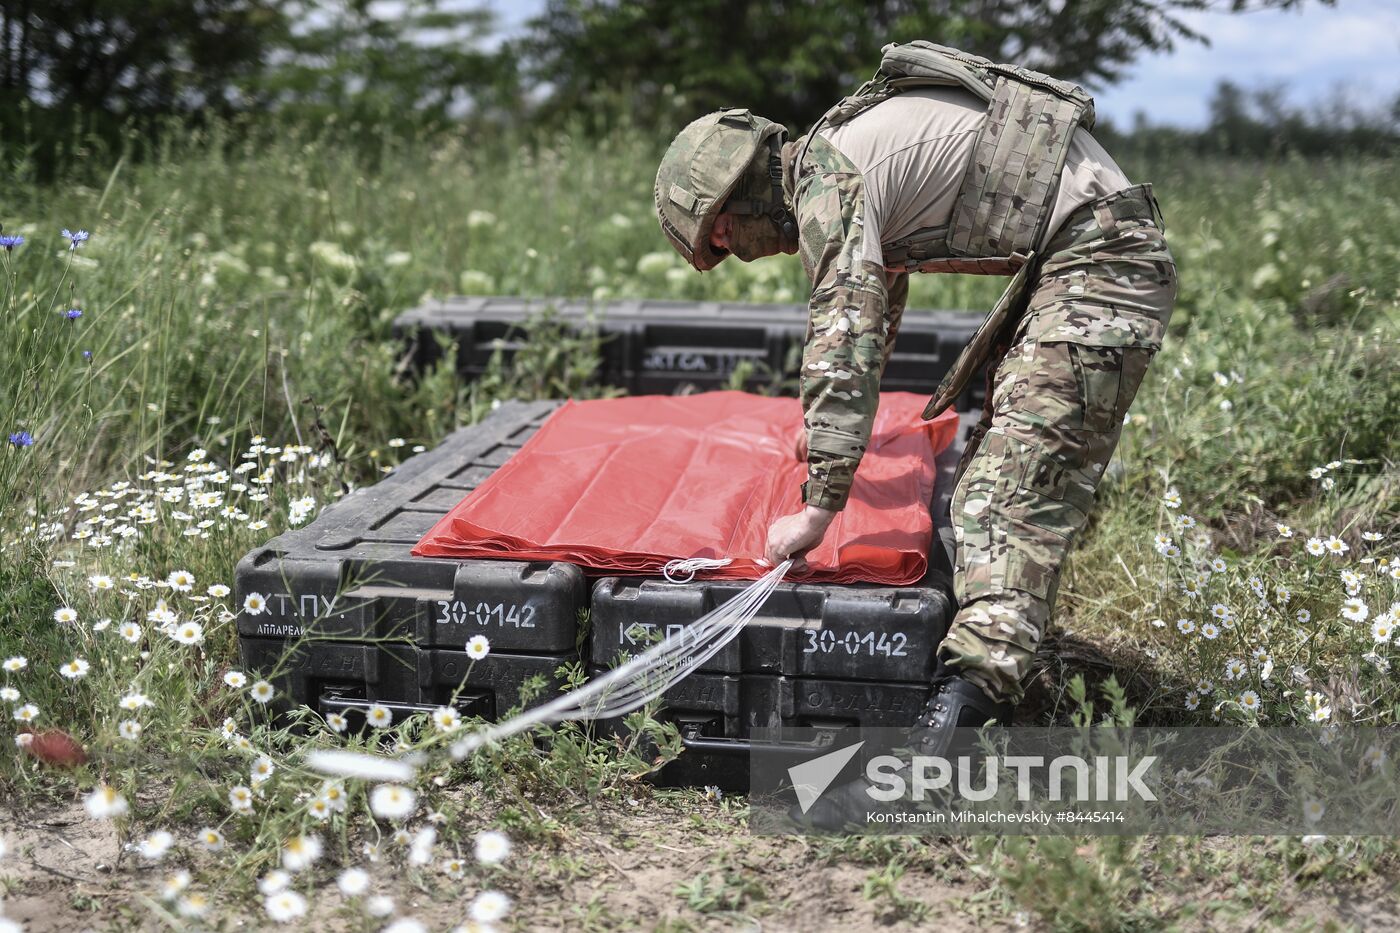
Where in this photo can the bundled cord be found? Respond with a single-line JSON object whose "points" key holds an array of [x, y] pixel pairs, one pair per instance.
{"points": [[625, 688]]}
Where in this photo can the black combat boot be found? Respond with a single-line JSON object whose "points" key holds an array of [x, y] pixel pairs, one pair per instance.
{"points": [[953, 703]]}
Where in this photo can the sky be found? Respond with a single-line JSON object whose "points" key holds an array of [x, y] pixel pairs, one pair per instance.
{"points": [[1354, 45]]}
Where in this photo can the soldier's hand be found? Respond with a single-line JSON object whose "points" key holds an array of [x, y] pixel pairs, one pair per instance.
{"points": [[796, 534]]}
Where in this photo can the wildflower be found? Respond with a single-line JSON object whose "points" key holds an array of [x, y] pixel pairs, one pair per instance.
{"points": [[75, 238], [319, 809], [1335, 546], [8, 243], [1172, 499], [9, 694], [336, 722], [190, 633], [392, 801], [22, 439], [1283, 594], [181, 581], [174, 885], [154, 846], [129, 729], [1313, 809], [1183, 523], [211, 839], [1171, 551], [1161, 541], [75, 669], [1158, 623], [24, 740], [26, 713], [254, 604], [285, 906], [262, 769], [489, 907], [492, 847], [16, 664], [1249, 701], [379, 716], [193, 905], [454, 868], [1283, 530], [218, 591], [1222, 613], [353, 882], [104, 803], [1355, 610], [1185, 626], [420, 848], [446, 718], [1381, 630], [1218, 565], [235, 679], [1374, 756], [1235, 669], [1193, 700], [73, 313], [274, 881], [1209, 631], [478, 647], [100, 582], [1303, 616], [65, 615], [1371, 536], [130, 631], [301, 852], [1315, 547], [381, 905], [1191, 588], [333, 793], [261, 691], [240, 799]]}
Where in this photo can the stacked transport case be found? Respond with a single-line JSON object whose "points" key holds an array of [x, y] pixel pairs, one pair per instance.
{"points": [[351, 618]]}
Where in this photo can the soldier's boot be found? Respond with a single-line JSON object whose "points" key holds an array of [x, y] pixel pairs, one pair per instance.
{"points": [[953, 703]]}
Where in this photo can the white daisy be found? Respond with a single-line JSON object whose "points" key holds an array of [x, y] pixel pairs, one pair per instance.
{"points": [[65, 615], [478, 647], [492, 847], [285, 906], [379, 716], [262, 691], [130, 631], [1249, 701], [489, 907], [154, 846], [105, 803], [16, 664], [1315, 547], [254, 604], [236, 679], [240, 799], [181, 581], [392, 801], [301, 852], [274, 881], [446, 718], [1355, 610], [336, 722], [129, 729], [75, 669], [353, 882], [211, 839], [1335, 546]]}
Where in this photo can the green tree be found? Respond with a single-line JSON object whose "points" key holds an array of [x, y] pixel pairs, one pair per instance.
{"points": [[790, 59], [135, 57], [413, 61]]}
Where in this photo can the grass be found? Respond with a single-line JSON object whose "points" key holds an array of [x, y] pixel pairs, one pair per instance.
{"points": [[236, 298]]}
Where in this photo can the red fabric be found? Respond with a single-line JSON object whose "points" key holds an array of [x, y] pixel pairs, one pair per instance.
{"points": [[624, 485]]}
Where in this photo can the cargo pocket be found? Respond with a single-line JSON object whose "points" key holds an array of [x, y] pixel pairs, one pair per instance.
{"points": [[1049, 508]]}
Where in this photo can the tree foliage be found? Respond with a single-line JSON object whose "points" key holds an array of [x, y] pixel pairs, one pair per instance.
{"points": [[790, 59]]}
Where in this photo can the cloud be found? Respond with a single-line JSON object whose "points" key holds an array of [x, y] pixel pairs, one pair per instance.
{"points": [[1314, 50]]}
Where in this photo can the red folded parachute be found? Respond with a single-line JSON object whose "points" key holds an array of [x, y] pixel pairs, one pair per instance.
{"points": [[625, 485]]}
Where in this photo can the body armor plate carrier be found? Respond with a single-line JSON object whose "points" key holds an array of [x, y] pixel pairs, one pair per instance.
{"points": [[1008, 192]]}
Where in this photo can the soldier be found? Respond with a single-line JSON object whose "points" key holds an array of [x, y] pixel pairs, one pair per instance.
{"points": [[947, 162]]}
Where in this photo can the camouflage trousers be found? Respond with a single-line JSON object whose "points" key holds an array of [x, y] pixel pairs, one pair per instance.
{"points": [[1096, 312]]}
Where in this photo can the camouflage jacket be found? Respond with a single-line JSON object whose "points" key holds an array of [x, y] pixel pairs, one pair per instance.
{"points": [[854, 313]]}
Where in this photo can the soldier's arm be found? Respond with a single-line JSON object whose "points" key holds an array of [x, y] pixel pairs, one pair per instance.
{"points": [[846, 345], [897, 296]]}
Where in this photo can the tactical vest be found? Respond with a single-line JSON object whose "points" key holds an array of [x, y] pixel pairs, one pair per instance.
{"points": [[1006, 197]]}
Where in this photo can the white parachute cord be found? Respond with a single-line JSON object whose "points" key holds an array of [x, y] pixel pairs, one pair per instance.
{"points": [[688, 566], [645, 677]]}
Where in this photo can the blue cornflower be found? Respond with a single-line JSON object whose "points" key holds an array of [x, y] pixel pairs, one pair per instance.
{"points": [[76, 239], [10, 242], [74, 313], [21, 439], [87, 354]]}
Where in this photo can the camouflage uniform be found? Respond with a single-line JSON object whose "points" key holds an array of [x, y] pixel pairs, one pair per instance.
{"points": [[1098, 302]]}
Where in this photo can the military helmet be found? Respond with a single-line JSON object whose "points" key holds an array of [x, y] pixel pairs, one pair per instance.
{"points": [[702, 166]]}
